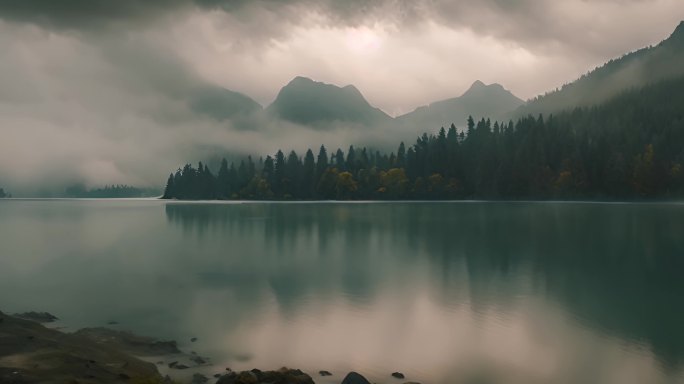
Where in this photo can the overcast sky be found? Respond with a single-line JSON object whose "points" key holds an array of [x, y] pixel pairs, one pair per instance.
{"points": [[77, 76]]}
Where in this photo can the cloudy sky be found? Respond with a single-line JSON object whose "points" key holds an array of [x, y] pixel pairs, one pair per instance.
{"points": [[97, 86]]}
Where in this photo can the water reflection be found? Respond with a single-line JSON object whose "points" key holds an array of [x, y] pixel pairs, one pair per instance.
{"points": [[446, 292], [615, 267]]}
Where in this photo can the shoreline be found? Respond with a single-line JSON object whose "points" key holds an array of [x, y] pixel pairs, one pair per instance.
{"points": [[461, 201], [32, 353]]}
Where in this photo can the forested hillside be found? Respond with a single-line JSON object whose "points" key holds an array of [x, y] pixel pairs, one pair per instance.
{"points": [[633, 70], [631, 147]]}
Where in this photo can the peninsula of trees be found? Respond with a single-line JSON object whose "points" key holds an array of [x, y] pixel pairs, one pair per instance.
{"points": [[631, 147]]}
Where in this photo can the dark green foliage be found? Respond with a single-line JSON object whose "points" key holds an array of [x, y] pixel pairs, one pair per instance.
{"points": [[645, 66], [3, 194], [629, 148]]}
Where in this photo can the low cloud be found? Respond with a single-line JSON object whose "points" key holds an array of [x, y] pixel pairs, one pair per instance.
{"points": [[102, 91]]}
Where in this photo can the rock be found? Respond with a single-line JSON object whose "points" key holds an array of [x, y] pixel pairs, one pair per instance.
{"points": [[177, 365], [324, 373], [199, 378], [40, 317], [198, 360], [398, 375], [354, 378], [244, 377], [113, 323], [56, 357], [193, 339], [255, 376]]}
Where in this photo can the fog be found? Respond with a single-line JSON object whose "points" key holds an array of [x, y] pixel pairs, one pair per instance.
{"points": [[103, 92]]}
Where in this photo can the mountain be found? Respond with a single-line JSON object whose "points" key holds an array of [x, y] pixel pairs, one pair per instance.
{"points": [[633, 70], [308, 102], [479, 100], [222, 104]]}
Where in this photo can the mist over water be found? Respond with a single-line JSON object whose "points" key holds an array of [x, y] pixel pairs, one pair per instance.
{"points": [[444, 292]]}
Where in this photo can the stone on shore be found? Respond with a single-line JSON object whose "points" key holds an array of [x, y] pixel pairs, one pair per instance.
{"points": [[354, 378], [255, 376], [40, 317], [31, 353], [199, 378]]}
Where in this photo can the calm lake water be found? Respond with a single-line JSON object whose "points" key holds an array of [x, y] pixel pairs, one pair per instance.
{"points": [[444, 292]]}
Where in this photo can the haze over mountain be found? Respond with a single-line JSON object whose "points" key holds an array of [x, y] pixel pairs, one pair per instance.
{"points": [[636, 69], [308, 102], [480, 100], [114, 92], [223, 104]]}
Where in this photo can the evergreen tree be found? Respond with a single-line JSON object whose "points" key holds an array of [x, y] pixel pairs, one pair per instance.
{"points": [[628, 148]]}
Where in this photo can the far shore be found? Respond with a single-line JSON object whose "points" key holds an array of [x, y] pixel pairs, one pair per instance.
{"points": [[255, 201]]}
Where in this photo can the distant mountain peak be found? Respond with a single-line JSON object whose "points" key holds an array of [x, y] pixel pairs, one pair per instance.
{"points": [[301, 78], [221, 104], [480, 100], [308, 102], [478, 87], [477, 84]]}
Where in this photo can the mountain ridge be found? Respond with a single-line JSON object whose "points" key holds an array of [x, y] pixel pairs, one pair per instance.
{"points": [[318, 104], [635, 69], [308, 102], [221, 103], [479, 100]]}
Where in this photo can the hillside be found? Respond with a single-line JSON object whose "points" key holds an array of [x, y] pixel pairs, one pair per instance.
{"points": [[222, 104], [479, 100], [636, 69], [629, 148]]}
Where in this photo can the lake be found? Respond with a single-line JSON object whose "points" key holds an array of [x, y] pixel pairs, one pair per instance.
{"points": [[463, 292]]}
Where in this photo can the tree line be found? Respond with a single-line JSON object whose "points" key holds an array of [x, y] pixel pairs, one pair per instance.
{"points": [[631, 147], [109, 191]]}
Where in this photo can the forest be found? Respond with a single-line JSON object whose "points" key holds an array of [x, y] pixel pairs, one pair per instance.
{"points": [[629, 148]]}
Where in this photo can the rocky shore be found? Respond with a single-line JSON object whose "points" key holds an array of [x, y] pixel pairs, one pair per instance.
{"points": [[32, 353]]}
